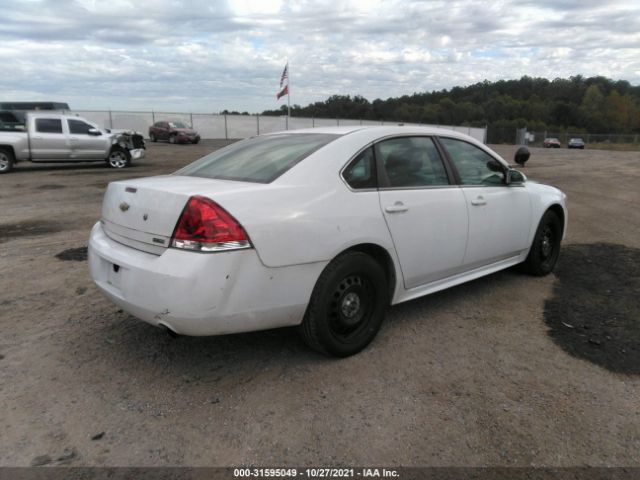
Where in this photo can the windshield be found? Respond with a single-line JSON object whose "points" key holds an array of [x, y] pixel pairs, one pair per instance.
{"points": [[258, 159], [177, 125]]}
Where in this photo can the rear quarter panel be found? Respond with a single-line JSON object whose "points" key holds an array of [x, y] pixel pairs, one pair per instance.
{"points": [[18, 141]]}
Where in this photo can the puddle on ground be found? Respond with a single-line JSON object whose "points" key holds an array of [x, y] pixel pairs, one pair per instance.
{"points": [[28, 228], [77, 254], [595, 310], [50, 187]]}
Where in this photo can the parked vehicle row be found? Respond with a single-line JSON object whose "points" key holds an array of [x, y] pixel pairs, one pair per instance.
{"points": [[320, 228], [555, 143], [53, 137]]}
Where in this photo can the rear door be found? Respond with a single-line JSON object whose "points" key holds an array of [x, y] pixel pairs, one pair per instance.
{"points": [[425, 212], [83, 145], [163, 131], [499, 214], [49, 139]]}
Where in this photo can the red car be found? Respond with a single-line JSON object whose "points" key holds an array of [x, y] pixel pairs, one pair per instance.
{"points": [[551, 143], [173, 132]]}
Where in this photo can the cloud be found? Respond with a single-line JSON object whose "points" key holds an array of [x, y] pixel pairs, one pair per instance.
{"points": [[206, 56]]}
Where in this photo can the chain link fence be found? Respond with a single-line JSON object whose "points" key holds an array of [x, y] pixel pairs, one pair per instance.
{"points": [[602, 141], [212, 126]]}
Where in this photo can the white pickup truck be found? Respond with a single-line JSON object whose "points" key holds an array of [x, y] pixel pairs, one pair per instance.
{"points": [[54, 137]]}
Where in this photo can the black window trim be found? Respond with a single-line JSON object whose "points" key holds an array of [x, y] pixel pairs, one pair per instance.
{"points": [[383, 180], [352, 160], [451, 165]]}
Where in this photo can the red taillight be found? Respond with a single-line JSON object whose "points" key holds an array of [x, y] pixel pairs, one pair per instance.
{"points": [[206, 227]]}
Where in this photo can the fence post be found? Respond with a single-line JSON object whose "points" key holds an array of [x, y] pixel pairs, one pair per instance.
{"points": [[110, 120], [153, 117], [338, 121], [191, 118], [486, 133], [313, 122], [258, 124], [286, 122], [226, 134]]}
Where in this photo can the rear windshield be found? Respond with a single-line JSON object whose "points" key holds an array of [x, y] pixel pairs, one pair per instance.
{"points": [[258, 159]]}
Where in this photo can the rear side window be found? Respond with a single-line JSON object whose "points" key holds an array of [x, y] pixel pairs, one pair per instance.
{"points": [[361, 172], [412, 162], [258, 159], [49, 125]]}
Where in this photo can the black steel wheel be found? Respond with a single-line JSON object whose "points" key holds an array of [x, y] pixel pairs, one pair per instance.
{"points": [[347, 305], [545, 249]]}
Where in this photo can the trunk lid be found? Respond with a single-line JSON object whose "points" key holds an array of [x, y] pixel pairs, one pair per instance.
{"points": [[143, 213]]}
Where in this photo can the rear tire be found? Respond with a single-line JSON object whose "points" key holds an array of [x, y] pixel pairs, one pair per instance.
{"points": [[119, 158], [7, 160], [545, 249], [347, 306]]}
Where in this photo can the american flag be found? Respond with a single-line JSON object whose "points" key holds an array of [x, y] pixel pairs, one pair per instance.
{"points": [[285, 75], [283, 92]]}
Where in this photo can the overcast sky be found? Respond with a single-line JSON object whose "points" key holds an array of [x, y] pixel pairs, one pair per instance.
{"points": [[205, 56]]}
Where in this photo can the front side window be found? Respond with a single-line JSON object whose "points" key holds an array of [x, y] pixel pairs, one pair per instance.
{"points": [[474, 165], [361, 172], [258, 159], [49, 125], [412, 162], [79, 127]]}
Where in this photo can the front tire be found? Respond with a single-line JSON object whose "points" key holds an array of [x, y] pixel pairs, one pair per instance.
{"points": [[172, 139], [119, 158], [7, 160], [545, 249], [347, 306], [152, 137]]}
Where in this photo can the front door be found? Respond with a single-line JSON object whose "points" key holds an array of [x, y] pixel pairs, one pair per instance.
{"points": [[85, 146], [499, 214], [425, 213]]}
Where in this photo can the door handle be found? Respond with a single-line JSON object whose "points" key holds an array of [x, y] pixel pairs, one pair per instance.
{"points": [[479, 201], [397, 207]]}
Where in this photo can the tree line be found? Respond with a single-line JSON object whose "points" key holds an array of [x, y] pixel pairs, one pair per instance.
{"points": [[577, 104]]}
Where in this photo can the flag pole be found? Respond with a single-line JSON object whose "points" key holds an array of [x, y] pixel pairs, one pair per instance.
{"points": [[289, 90]]}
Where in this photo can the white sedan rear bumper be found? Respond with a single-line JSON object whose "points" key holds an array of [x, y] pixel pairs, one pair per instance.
{"points": [[201, 294]]}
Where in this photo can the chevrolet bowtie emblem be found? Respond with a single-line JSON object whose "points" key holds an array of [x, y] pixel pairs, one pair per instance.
{"points": [[124, 206]]}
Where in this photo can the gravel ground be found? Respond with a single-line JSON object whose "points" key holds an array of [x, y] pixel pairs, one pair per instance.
{"points": [[508, 370]]}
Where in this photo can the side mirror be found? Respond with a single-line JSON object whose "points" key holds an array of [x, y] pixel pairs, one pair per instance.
{"points": [[514, 177], [94, 131], [521, 156]]}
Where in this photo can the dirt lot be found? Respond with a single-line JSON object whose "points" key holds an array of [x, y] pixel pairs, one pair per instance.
{"points": [[506, 370]]}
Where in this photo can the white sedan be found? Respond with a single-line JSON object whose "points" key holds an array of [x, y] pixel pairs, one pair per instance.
{"points": [[320, 228]]}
